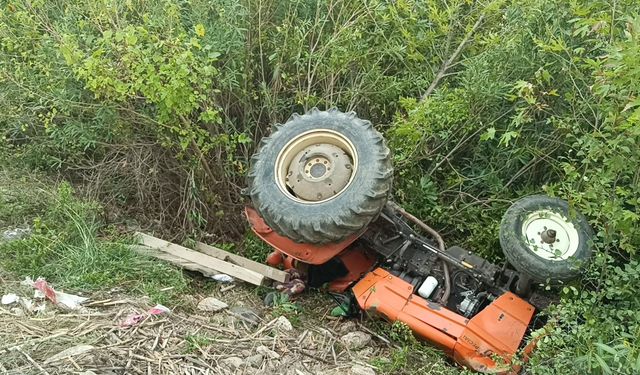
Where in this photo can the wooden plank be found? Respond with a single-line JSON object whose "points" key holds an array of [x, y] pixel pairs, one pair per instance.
{"points": [[201, 259], [263, 269], [150, 252]]}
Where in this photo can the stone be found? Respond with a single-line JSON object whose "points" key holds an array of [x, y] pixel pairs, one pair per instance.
{"points": [[355, 340], [282, 324], [361, 370], [346, 327], [211, 304], [255, 361], [267, 352], [233, 362], [15, 234], [366, 352], [247, 315]]}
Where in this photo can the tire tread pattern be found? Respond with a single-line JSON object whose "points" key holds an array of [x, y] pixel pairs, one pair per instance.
{"points": [[339, 218]]}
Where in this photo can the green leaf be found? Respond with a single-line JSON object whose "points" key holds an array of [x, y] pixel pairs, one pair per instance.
{"points": [[131, 39], [489, 134], [603, 365], [607, 348], [508, 136], [200, 30]]}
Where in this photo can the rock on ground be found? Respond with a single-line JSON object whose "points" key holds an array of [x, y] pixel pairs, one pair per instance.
{"points": [[212, 305], [15, 234], [355, 340], [255, 361], [283, 324], [361, 370], [347, 327], [247, 315], [233, 362], [267, 352]]}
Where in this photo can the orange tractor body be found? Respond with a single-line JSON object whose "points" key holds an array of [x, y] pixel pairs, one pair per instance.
{"points": [[486, 342]]}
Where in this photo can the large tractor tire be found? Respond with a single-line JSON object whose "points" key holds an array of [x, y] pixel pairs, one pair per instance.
{"points": [[545, 240], [321, 176]]}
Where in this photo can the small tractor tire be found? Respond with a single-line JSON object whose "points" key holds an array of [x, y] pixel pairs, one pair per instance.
{"points": [[543, 238], [321, 176]]}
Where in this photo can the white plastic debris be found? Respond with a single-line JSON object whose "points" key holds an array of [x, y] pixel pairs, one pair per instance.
{"points": [[222, 278], [10, 298], [70, 301], [27, 304], [159, 310]]}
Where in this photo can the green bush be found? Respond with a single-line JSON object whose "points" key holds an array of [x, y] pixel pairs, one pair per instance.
{"points": [[157, 106]]}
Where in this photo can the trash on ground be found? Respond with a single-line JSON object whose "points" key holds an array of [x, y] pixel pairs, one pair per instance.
{"points": [[135, 319], [10, 298], [69, 301], [159, 310], [223, 278]]}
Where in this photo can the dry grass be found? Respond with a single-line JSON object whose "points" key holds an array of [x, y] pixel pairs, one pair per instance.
{"points": [[185, 341]]}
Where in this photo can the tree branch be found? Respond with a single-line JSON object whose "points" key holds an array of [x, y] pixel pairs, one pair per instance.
{"points": [[451, 60]]}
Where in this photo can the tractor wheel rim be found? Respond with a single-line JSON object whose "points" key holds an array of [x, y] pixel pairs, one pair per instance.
{"points": [[316, 166], [550, 235]]}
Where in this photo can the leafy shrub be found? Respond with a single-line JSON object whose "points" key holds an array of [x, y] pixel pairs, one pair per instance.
{"points": [[156, 107]]}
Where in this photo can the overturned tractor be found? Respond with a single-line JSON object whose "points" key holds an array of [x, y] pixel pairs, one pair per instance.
{"points": [[319, 187]]}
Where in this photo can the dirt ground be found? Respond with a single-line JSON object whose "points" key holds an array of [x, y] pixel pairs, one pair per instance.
{"points": [[184, 341]]}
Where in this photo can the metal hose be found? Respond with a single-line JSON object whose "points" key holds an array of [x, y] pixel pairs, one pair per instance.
{"points": [[437, 237]]}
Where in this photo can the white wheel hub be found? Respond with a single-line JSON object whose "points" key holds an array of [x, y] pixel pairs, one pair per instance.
{"points": [[316, 166], [550, 235]]}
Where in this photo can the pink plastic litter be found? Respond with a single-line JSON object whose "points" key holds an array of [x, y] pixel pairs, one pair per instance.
{"points": [[42, 285], [135, 319], [132, 320]]}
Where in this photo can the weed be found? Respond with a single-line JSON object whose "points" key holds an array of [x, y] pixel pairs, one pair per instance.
{"points": [[66, 249], [196, 342], [254, 248], [283, 306], [409, 356], [21, 198]]}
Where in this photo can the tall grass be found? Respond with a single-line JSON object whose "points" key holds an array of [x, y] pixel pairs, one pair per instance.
{"points": [[71, 248]]}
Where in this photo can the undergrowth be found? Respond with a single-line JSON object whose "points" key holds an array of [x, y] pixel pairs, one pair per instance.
{"points": [[156, 106], [408, 356], [69, 246]]}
